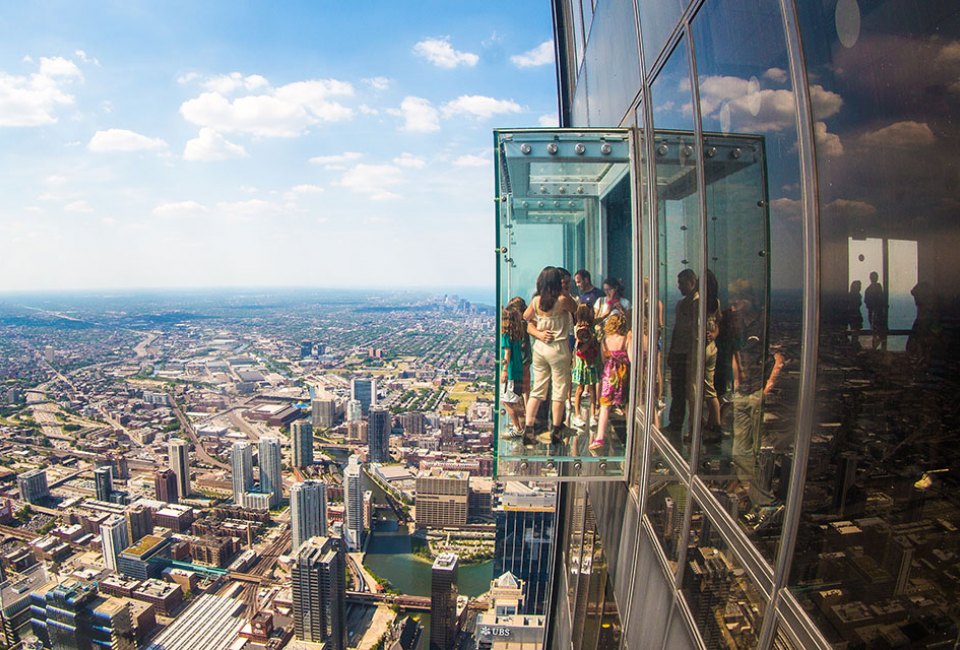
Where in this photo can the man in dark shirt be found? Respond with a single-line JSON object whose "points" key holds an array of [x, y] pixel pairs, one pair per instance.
{"points": [[875, 300], [682, 346], [589, 294]]}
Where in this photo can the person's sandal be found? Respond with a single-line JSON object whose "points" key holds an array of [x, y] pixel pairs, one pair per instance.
{"points": [[529, 438], [556, 436], [597, 443]]}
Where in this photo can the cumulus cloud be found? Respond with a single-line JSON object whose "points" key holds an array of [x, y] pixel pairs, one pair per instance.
{"points": [[549, 120], [210, 145], [471, 160], [248, 209], [372, 180], [440, 52], [901, 134], [419, 115], [846, 209], [787, 208], [179, 209], [123, 140], [336, 161], [540, 55], [33, 100], [282, 112], [479, 106], [377, 83], [83, 57], [779, 75], [828, 144], [306, 189], [410, 161], [228, 83]]}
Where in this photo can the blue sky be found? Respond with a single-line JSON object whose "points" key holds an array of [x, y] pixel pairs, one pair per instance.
{"points": [[326, 144]]}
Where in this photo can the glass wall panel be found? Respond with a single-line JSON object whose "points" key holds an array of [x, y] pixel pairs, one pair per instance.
{"points": [[576, 13], [658, 19], [878, 537], [666, 505], [727, 606], [565, 210], [679, 242], [755, 261], [597, 614], [612, 63], [641, 312]]}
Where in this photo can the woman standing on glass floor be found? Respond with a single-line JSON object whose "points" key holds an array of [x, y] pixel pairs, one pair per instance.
{"points": [[550, 322]]}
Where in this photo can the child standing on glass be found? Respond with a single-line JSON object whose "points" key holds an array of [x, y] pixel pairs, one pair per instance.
{"points": [[617, 356], [586, 359], [513, 332]]}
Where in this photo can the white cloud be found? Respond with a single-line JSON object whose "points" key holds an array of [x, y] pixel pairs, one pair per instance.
{"points": [[210, 145], [778, 75], [548, 120], [828, 144], [306, 189], [179, 209], [336, 161], [77, 206], [826, 103], [123, 140], [372, 180], [439, 52], [419, 115], [367, 110], [283, 112], [843, 209], [188, 77], [540, 55], [377, 83], [248, 209], [787, 208], [479, 106], [33, 100], [901, 134], [228, 83], [471, 160], [80, 54], [410, 161]]}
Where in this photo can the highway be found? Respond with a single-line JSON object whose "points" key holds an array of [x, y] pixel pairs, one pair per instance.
{"points": [[187, 426]]}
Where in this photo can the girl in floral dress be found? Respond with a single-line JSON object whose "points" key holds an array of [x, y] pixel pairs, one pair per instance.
{"points": [[614, 383], [586, 359]]}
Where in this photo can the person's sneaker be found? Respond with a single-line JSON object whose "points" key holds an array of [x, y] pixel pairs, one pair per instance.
{"points": [[511, 432], [576, 421]]}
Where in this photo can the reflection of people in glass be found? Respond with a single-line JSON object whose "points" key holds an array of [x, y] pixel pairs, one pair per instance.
{"points": [[681, 346], [875, 299], [755, 373], [927, 328], [614, 384], [854, 301], [712, 331], [550, 322]]}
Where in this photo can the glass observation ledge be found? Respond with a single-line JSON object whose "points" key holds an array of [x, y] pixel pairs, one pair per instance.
{"points": [[565, 200]]}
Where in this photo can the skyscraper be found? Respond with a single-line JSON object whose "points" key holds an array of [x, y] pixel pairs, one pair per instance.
{"points": [[365, 392], [165, 485], [319, 593], [308, 512], [353, 503], [354, 410], [271, 476], [443, 601], [241, 464], [139, 522], [113, 540], [526, 518], [178, 451], [302, 443], [378, 435], [103, 480], [33, 485], [72, 616], [324, 412]]}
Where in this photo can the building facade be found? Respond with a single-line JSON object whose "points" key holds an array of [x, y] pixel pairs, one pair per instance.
{"points": [[72, 616], [324, 412], [353, 504], [365, 392], [165, 485], [525, 534], [241, 466], [789, 220], [178, 452], [443, 601], [319, 596], [378, 435], [301, 434], [271, 470], [103, 483], [113, 540], [308, 512], [443, 498], [33, 486], [139, 522]]}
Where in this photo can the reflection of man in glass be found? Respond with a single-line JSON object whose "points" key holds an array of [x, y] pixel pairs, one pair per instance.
{"points": [[755, 373], [681, 346], [876, 302]]}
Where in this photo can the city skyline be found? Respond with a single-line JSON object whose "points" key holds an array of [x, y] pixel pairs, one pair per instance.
{"points": [[188, 140]]}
